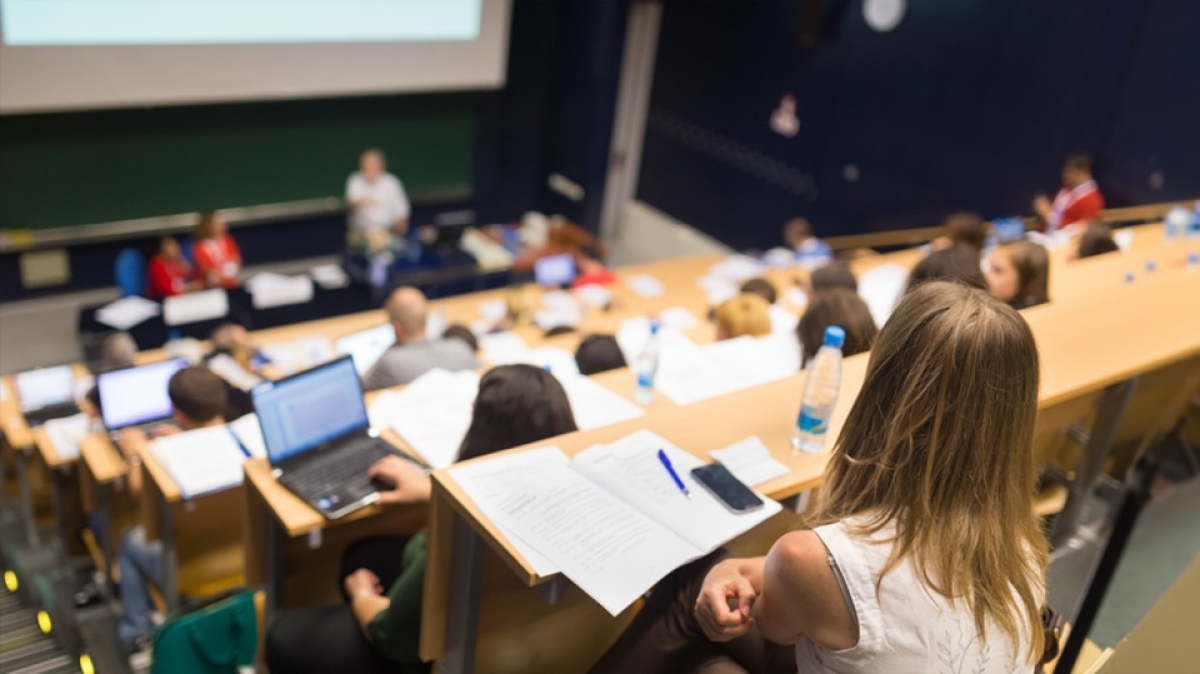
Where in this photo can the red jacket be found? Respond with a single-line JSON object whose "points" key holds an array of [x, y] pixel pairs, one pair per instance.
{"points": [[166, 278], [218, 262], [1074, 205]]}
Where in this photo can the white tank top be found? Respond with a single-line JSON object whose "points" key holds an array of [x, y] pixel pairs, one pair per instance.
{"points": [[905, 627]]}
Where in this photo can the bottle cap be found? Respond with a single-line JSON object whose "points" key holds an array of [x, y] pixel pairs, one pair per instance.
{"points": [[654, 326], [835, 336]]}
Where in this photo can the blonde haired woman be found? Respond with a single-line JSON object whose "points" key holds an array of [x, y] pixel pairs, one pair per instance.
{"points": [[746, 314], [925, 555]]}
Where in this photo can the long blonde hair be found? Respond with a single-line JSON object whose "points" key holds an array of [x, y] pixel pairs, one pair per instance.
{"points": [[939, 442]]}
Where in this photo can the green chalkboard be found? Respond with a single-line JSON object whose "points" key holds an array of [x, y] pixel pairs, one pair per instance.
{"points": [[99, 166]]}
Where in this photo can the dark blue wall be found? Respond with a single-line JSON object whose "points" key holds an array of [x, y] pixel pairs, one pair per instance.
{"points": [[967, 104]]}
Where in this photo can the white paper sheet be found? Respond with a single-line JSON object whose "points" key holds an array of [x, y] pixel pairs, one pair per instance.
{"points": [[366, 346], [737, 268], [435, 324], [717, 289], [559, 300], [127, 312], [750, 461], [783, 322], [237, 376], [329, 276], [274, 290], [432, 413], [548, 319], [881, 289], [633, 334], [493, 311], [201, 461], [192, 307], [795, 297], [594, 295], [645, 285], [503, 348], [299, 354], [65, 433], [678, 318], [249, 432], [595, 406], [724, 367]]}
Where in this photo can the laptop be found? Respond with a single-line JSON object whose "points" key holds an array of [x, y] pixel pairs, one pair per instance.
{"points": [[46, 393], [1008, 229], [367, 346], [554, 271], [136, 397], [318, 439]]}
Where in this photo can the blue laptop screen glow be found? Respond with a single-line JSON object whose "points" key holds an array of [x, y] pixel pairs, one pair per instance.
{"points": [[555, 270], [136, 395], [310, 409]]}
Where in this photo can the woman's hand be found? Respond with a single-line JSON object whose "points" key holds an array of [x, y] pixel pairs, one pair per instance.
{"points": [[363, 583], [723, 608], [408, 483]]}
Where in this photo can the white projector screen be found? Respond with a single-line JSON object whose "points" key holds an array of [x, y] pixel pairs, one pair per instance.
{"points": [[80, 54]]}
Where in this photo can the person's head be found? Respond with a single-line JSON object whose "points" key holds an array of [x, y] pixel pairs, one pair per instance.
{"points": [[1077, 169], [796, 232], [519, 305], [967, 229], [840, 307], [211, 226], [463, 334], [832, 275], [1018, 273], [516, 405], [956, 263], [939, 442], [406, 312], [372, 163], [229, 337], [598, 353], [118, 351], [743, 315], [1096, 240], [168, 248], [198, 397], [761, 287]]}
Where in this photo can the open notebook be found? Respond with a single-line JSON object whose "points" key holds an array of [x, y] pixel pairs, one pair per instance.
{"points": [[610, 519], [210, 459]]}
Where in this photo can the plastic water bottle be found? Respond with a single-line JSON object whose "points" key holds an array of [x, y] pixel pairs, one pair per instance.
{"points": [[646, 367], [1176, 223], [821, 390]]}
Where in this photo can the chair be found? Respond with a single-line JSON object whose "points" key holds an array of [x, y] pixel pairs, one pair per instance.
{"points": [[130, 272]]}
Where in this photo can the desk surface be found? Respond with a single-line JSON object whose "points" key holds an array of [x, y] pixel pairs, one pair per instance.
{"points": [[102, 458]]}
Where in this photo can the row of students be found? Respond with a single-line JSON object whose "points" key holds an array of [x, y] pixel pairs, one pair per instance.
{"points": [[216, 261]]}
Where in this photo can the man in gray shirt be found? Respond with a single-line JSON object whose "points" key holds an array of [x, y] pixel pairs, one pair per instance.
{"points": [[413, 355]]}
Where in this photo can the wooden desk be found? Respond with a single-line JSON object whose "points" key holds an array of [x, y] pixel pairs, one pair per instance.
{"points": [[64, 487], [102, 473]]}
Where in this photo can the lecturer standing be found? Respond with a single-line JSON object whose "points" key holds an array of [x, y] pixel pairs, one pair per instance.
{"points": [[378, 206]]}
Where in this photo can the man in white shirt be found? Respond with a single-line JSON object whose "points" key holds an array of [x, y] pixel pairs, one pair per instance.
{"points": [[378, 204]]}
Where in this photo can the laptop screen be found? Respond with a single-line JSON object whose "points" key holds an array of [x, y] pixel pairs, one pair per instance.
{"points": [[1009, 229], [554, 271], [45, 387], [367, 346], [310, 408], [136, 395]]}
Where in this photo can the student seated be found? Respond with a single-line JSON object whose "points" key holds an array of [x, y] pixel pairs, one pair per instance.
{"points": [[833, 275], [1078, 201], [840, 307], [809, 251], [1097, 239], [413, 354], [925, 553], [599, 353], [198, 398], [217, 257], [745, 314], [1018, 273], [463, 334], [956, 263], [378, 628], [963, 229], [761, 287], [167, 273]]}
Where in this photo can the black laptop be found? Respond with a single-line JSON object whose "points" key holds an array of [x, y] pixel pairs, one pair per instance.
{"points": [[46, 393], [318, 439]]}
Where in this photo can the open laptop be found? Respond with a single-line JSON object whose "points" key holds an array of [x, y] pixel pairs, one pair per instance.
{"points": [[365, 347], [136, 397], [1008, 229], [554, 271], [46, 393], [318, 439]]}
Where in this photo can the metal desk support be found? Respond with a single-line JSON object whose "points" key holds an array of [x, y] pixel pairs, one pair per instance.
{"points": [[31, 532], [166, 534], [462, 615]]}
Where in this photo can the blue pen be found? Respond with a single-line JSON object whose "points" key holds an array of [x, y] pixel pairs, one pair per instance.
{"points": [[666, 462]]}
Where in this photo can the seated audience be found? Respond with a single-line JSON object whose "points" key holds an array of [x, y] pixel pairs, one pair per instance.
{"points": [[1078, 201], [956, 263], [1018, 273], [1096, 239], [743, 315], [378, 628], [234, 341], [840, 307], [761, 287], [217, 257], [199, 399], [167, 273], [599, 353], [963, 229], [463, 334], [924, 550], [810, 251], [413, 354], [833, 275]]}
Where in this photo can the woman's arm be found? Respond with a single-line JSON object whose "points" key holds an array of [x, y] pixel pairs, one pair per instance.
{"points": [[800, 595], [366, 598]]}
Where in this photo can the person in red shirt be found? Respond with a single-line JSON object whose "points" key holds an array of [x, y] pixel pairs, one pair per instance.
{"points": [[1078, 201], [218, 260], [168, 274], [591, 270]]}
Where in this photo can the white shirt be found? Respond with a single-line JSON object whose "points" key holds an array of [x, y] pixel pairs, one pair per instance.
{"points": [[903, 626], [386, 199]]}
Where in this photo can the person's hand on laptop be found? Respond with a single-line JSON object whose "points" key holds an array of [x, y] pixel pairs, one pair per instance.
{"points": [[401, 481]]}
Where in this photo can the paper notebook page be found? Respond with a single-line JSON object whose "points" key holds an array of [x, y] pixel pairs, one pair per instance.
{"points": [[432, 414], [249, 432], [630, 469], [65, 434], [595, 406], [611, 551], [201, 461], [750, 461]]}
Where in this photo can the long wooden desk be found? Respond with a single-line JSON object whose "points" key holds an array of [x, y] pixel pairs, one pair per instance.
{"points": [[1099, 344]]}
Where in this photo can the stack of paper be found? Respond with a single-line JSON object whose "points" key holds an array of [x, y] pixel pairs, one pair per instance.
{"points": [[192, 307], [432, 413], [724, 367], [750, 461], [611, 519], [65, 433], [595, 406], [201, 461], [275, 290], [127, 312], [737, 268], [645, 285], [299, 354], [329, 276], [237, 376]]}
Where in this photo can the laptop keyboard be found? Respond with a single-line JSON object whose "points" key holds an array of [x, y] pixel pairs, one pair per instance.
{"points": [[348, 466]]}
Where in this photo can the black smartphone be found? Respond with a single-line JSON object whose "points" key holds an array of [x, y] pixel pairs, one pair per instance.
{"points": [[727, 488]]}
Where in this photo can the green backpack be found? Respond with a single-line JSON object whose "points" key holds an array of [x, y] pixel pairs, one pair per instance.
{"points": [[216, 638]]}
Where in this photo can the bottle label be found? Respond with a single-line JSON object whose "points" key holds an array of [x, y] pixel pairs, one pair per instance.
{"points": [[645, 380], [809, 423]]}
